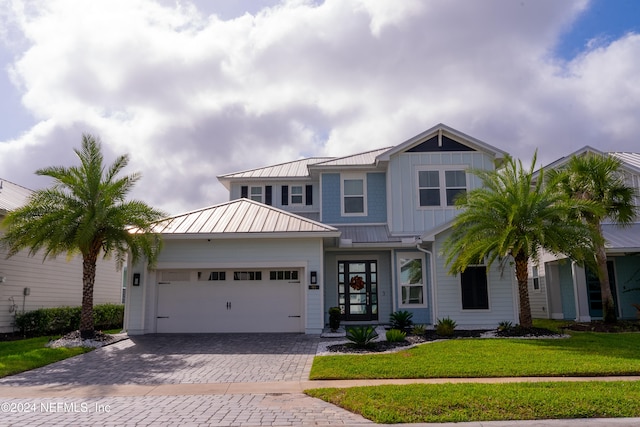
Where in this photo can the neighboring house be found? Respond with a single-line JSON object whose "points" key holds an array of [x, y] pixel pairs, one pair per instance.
{"points": [[28, 283], [560, 289], [362, 232]]}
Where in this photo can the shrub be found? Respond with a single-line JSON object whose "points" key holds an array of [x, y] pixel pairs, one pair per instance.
{"points": [[60, 320], [396, 335], [401, 319], [362, 336], [419, 330], [505, 326], [108, 316], [334, 318], [445, 327]]}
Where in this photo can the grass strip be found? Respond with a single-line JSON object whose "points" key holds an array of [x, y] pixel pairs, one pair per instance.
{"points": [[584, 354], [425, 403], [23, 355]]}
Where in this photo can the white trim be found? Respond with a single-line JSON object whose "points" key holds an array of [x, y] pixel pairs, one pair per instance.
{"points": [[413, 256], [355, 177]]}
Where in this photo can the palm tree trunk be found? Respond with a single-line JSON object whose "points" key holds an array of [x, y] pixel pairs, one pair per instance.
{"points": [[88, 279], [609, 314], [522, 275]]}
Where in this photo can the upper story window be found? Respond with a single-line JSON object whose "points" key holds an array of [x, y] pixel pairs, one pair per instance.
{"points": [[255, 194], [440, 187], [296, 194], [353, 195]]}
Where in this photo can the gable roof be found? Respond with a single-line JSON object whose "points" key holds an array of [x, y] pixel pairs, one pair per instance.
{"points": [[242, 218], [12, 196], [442, 130], [630, 161]]}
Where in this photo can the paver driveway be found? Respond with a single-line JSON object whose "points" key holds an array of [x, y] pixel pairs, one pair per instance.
{"points": [[192, 358], [174, 359]]}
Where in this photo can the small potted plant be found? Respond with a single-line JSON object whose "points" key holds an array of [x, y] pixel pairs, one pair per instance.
{"points": [[334, 318]]}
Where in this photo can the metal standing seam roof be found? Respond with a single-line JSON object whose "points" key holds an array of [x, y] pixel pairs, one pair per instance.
{"points": [[631, 158], [367, 158], [239, 217], [622, 238], [294, 169], [368, 234], [12, 196]]}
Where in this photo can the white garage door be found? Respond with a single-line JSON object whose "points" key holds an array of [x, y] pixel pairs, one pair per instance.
{"points": [[266, 303]]}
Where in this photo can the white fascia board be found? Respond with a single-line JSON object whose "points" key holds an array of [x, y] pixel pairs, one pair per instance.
{"points": [[229, 236], [175, 265]]}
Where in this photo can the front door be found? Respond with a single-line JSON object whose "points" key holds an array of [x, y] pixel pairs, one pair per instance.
{"points": [[594, 292], [358, 290]]}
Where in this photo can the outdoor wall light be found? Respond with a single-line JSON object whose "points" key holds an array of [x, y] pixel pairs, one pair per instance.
{"points": [[314, 277], [136, 279]]}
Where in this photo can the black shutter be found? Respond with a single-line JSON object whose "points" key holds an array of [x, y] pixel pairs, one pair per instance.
{"points": [[267, 195], [309, 195], [244, 192], [285, 195]]}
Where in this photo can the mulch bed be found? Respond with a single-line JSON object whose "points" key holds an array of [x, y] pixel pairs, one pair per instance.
{"points": [[431, 335]]}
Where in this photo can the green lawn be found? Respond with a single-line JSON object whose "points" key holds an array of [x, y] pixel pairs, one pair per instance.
{"points": [[584, 354], [483, 402], [23, 355]]}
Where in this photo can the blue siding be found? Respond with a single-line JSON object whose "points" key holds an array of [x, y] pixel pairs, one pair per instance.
{"points": [[566, 291], [376, 200]]}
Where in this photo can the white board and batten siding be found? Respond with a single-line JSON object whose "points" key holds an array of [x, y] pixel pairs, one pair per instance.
{"points": [[405, 214], [265, 301], [53, 283], [502, 290]]}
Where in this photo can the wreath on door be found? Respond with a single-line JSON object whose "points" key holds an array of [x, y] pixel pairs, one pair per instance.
{"points": [[356, 283]]}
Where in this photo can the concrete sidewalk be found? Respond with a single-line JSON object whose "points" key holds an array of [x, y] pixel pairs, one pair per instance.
{"points": [[279, 387]]}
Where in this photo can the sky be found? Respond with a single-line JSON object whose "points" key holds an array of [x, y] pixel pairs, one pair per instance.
{"points": [[195, 89]]}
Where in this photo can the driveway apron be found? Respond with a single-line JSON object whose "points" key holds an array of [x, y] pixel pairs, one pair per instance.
{"points": [[153, 360]]}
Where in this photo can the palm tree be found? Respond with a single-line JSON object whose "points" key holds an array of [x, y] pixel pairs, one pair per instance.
{"points": [[512, 217], [85, 212], [599, 179]]}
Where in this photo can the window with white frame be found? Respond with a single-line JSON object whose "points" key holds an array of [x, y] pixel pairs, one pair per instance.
{"points": [[255, 194], [536, 278], [296, 194], [440, 187], [354, 200], [411, 280]]}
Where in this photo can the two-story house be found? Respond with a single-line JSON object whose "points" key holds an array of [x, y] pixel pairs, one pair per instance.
{"points": [[362, 232], [561, 289]]}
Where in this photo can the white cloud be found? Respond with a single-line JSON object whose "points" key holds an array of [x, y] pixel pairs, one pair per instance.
{"points": [[191, 96]]}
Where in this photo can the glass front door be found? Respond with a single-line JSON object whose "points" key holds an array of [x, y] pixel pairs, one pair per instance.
{"points": [[358, 289], [594, 292]]}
